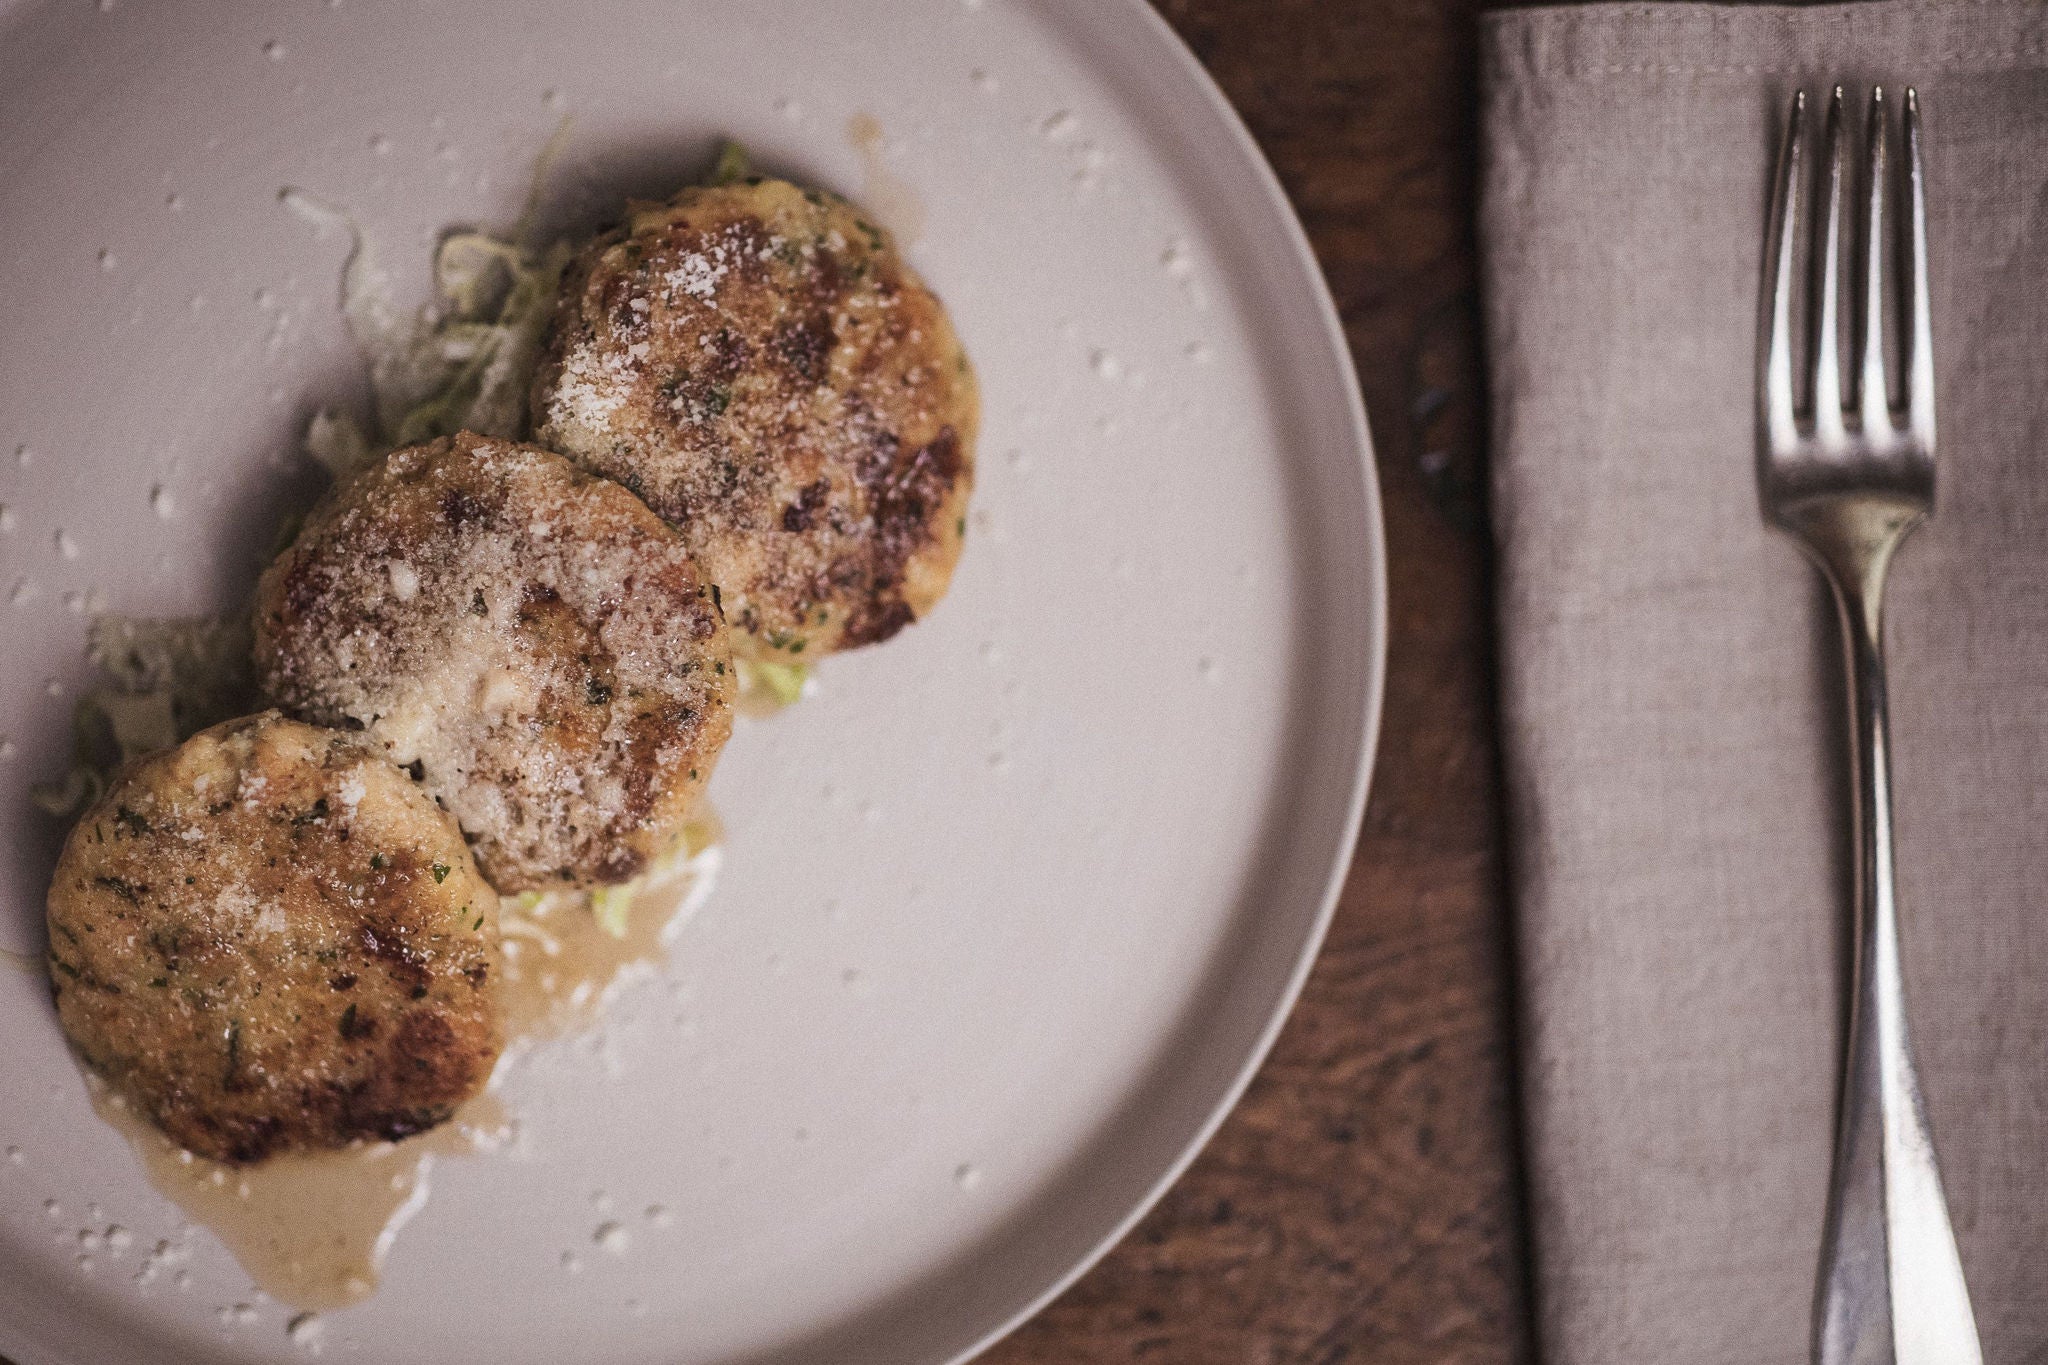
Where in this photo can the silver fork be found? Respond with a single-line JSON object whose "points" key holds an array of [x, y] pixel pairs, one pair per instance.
{"points": [[1850, 474]]}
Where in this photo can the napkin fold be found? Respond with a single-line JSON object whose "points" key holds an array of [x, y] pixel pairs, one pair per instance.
{"points": [[1671, 695]]}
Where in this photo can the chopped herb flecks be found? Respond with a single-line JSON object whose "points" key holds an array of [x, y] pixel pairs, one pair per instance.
{"points": [[121, 887]]}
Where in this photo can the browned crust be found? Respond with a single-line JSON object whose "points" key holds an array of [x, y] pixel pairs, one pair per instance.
{"points": [[534, 641], [757, 362], [269, 938]]}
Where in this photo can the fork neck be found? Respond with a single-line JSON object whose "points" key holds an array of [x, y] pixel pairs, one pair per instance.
{"points": [[1854, 539]]}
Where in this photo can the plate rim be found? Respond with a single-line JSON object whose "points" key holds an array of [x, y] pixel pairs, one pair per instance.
{"points": [[1143, 17]]}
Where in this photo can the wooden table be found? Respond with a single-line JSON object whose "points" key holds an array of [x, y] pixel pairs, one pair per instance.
{"points": [[1363, 1204]]}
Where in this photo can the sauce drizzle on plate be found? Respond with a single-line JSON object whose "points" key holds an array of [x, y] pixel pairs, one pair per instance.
{"points": [[312, 1228]]}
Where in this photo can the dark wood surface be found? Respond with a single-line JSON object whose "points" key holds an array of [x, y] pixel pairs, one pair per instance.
{"points": [[1362, 1205]]}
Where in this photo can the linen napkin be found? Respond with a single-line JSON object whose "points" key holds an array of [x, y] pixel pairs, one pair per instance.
{"points": [[1671, 699]]}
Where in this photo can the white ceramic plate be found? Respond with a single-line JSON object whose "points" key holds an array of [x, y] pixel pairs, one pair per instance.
{"points": [[1011, 908]]}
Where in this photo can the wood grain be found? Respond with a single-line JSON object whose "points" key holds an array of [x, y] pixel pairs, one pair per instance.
{"points": [[1362, 1204]]}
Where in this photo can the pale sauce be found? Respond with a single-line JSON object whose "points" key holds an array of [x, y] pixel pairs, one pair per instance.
{"points": [[890, 199], [21, 962], [560, 963], [312, 1229]]}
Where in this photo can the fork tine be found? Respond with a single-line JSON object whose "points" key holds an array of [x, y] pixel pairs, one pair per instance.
{"points": [[1828, 425], [1873, 401], [1920, 369], [1781, 420]]}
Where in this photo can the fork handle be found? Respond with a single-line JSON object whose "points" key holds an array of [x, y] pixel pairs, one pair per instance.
{"points": [[1891, 1286]]}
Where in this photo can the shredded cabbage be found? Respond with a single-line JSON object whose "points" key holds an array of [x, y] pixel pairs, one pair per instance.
{"points": [[768, 686], [164, 680], [613, 905], [733, 163], [463, 362], [339, 445], [200, 664], [80, 788], [460, 363]]}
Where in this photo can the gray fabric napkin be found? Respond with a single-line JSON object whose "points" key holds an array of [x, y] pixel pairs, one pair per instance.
{"points": [[1670, 694]]}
